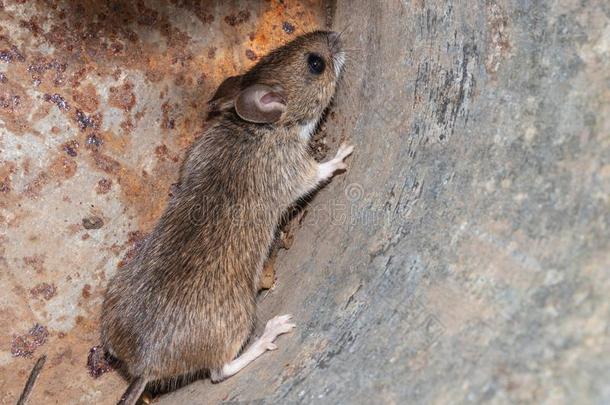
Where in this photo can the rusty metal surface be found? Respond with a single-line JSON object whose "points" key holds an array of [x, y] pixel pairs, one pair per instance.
{"points": [[98, 101]]}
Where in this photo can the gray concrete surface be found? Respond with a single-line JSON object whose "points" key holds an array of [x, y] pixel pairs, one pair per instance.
{"points": [[463, 258]]}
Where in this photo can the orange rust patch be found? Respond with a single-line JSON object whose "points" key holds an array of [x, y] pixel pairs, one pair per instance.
{"points": [[127, 126], [35, 262], [6, 172], [274, 23], [106, 163], [146, 195], [15, 106], [44, 290], [122, 97], [25, 345], [63, 168], [86, 292], [168, 122], [103, 186], [34, 187], [237, 18], [86, 98], [112, 144], [162, 152], [71, 148]]}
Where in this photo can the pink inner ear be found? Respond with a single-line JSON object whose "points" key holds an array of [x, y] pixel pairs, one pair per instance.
{"points": [[272, 97]]}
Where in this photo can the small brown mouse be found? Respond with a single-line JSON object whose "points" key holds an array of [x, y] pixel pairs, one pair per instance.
{"points": [[187, 301]]}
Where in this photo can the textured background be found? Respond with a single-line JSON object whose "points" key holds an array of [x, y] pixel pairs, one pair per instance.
{"points": [[464, 256]]}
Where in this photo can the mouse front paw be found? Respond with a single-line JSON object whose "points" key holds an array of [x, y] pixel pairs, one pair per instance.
{"points": [[275, 326], [344, 151], [326, 170]]}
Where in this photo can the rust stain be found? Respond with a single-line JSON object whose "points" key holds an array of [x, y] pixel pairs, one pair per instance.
{"points": [[280, 21], [86, 98], [122, 96], [71, 148], [6, 172], [106, 163], [58, 100], [63, 64], [85, 121], [44, 290], [86, 292], [136, 189], [97, 362], [103, 186], [15, 106], [63, 168], [237, 18], [35, 262], [34, 187], [25, 345]]}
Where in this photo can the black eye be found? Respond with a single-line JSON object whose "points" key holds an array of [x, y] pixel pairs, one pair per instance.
{"points": [[316, 63]]}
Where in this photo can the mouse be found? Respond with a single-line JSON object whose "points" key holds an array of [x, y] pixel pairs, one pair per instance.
{"points": [[187, 301]]}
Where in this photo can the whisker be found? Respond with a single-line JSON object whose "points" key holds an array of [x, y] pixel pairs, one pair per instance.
{"points": [[353, 50], [347, 26], [338, 37]]}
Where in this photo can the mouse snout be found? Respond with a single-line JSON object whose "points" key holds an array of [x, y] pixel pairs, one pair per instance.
{"points": [[336, 50]]}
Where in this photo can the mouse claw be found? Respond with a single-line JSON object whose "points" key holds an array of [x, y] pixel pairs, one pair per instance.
{"points": [[276, 326], [327, 170], [344, 151]]}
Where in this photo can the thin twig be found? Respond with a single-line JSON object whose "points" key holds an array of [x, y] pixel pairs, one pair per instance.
{"points": [[23, 399]]}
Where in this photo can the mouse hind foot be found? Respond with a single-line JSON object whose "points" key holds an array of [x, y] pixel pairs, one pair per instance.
{"points": [[275, 327]]}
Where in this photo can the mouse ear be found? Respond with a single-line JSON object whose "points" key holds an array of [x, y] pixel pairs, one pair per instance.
{"points": [[260, 104]]}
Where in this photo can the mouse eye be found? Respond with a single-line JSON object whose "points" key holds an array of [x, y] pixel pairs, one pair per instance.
{"points": [[316, 63]]}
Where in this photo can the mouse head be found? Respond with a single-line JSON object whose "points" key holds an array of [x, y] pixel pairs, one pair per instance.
{"points": [[291, 85]]}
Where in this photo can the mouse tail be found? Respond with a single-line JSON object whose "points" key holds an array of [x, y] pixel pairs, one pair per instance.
{"points": [[133, 392]]}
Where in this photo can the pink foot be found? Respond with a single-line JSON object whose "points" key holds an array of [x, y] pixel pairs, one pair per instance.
{"points": [[275, 326], [327, 169]]}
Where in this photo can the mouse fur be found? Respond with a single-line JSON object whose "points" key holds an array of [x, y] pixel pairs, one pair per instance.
{"points": [[187, 301]]}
